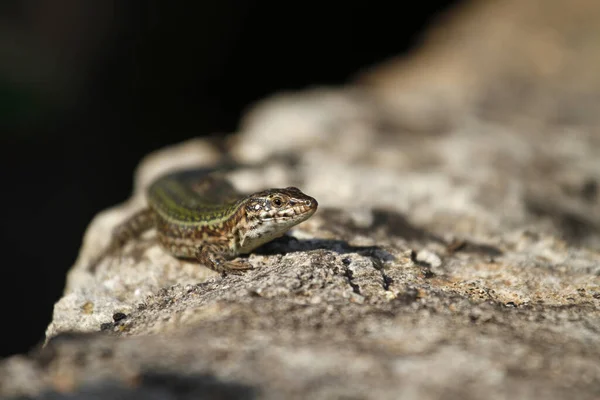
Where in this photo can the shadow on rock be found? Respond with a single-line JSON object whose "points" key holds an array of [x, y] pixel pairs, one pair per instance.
{"points": [[289, 244], [574, 225]]}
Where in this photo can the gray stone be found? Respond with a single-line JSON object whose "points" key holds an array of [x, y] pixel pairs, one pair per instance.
{"points": [[461, 280], [461, 264]]}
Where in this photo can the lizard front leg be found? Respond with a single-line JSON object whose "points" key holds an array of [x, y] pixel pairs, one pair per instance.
{"points": [[216, 257]]}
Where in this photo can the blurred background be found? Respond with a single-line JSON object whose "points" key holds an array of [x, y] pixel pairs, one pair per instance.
{"points": [[88, 88]]}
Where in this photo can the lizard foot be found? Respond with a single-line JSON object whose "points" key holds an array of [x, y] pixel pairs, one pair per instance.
{"points": [[219, 263], [235, 267]]}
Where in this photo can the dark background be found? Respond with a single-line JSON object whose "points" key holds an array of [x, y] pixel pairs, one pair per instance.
{"points": [[88, 88]]}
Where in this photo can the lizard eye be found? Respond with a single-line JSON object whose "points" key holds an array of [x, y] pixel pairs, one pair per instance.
{"points": [[277, 202]]}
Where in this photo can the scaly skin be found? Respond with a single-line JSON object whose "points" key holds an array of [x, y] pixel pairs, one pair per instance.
{"points": [[203, 217]]}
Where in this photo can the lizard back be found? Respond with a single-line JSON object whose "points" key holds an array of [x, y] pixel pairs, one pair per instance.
{"points": [[193, 198]]}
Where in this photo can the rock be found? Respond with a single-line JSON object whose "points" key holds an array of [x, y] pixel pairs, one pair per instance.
{"points": [[459, 265], [531, 60], [449, 268]]}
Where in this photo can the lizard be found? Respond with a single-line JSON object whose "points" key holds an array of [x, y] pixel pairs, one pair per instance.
{"points": [[201, 216]]}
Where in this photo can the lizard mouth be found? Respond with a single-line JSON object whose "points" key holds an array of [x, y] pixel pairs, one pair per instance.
{"points": [[298, 212]]}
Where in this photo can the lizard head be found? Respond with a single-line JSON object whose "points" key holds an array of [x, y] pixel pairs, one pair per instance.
{"points": [[273, 212]]}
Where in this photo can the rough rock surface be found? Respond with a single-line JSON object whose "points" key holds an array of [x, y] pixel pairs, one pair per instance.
{"points": [[462, 263]]}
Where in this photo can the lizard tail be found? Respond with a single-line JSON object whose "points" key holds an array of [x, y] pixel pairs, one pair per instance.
{"points": [[131, 228]]}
